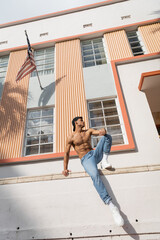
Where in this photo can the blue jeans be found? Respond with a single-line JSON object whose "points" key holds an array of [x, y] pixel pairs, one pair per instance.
{"points": [[90, 161]]}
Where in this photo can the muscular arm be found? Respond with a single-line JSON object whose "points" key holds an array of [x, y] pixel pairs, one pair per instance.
{"points": [[66, 156], [100, 132]]}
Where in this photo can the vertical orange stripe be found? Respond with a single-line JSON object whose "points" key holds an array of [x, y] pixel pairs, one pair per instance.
{"points": [[117, 45], [151, 37], [123, 109], [13, 108], [70, 93]]}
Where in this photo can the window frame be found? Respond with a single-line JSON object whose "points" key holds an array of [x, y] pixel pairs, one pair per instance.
{"points": [[93, 53], [139, 41], [39, 144], [119, 115], [44, 57]]}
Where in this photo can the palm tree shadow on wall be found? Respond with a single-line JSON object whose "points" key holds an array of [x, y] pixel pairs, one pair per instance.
{"points": [[12, 114], [12, 110], [48, 92]]}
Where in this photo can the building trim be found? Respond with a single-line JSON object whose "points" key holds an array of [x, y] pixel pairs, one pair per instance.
{"points": [[83, 35], [49, 156], [59, 176], [147, 74], [130, 144], [137, 58], [59, 13]]}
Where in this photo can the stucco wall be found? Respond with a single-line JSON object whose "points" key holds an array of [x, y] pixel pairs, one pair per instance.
{"points": [[99, 17], [37, 97], [99, 82], [56, 209], [70, 207], [142, 123]]}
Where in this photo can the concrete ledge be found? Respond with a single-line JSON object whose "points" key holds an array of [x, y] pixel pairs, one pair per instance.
{"points": [[51, 177]]}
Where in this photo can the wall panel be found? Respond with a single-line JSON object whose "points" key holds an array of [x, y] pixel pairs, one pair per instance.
{"points": [[70, 94], [151, 37], [13, 108], [117, 45]]}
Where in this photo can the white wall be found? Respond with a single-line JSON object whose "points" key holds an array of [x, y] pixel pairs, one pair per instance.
{"points": [[41, 168], [38, 97], [54, 209], [140, 116], [99, 82], [72, 24]]}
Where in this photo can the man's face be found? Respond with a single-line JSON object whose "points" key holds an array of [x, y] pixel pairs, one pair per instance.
{"points": [[80, 122]]}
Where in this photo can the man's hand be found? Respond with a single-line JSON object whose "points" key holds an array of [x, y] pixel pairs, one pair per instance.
{"points": [[102, 132], [66, 172]]}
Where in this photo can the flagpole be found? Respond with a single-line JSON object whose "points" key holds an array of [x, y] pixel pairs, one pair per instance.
{"points": [[28, 42], [39, 80]]}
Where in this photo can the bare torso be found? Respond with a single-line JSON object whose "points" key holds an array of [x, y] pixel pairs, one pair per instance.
{"points": [[82, 142]]}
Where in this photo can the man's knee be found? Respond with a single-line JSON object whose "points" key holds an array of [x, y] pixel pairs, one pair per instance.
{"points": [[94, 175], [108, 138]]}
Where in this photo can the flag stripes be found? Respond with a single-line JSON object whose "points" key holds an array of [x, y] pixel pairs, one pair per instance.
{"points": [[28, 66]]}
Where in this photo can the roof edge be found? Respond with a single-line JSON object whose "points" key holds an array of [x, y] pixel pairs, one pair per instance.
{"points": [[59, 13]]}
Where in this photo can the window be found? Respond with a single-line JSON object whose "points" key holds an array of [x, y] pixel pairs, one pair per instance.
{"points": [[44, 59], [93, 52], [106, 114], [135, 43], [3, 70], [39, 131]]}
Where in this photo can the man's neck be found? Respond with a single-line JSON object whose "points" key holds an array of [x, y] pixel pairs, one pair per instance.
{"points": [[78, 130]]}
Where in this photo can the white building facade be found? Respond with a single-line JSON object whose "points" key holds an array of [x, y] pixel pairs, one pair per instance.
{"points": [[99, 61]]}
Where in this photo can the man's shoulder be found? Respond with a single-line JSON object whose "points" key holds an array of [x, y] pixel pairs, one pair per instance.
{"points": [[70, 138]]}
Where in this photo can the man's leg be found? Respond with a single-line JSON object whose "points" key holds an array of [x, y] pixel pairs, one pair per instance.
{"points": [[102, 151], [90, 166]]}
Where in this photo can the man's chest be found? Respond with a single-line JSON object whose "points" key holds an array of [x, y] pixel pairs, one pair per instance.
{"points": [[80, 138]]}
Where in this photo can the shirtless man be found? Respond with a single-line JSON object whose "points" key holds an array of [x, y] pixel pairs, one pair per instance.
{"points": [[81, 141]]}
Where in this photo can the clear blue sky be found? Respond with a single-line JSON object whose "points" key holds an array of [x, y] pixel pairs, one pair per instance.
{"points": [[12, 10]]}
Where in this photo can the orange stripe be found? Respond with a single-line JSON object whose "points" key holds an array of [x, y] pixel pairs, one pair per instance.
{"points": [[151, 37], [118, 45], [70, 93], [41, 17], [131, 144], [133, 59], [147, 74], [36, 157], [103, 31], [53, 156]]}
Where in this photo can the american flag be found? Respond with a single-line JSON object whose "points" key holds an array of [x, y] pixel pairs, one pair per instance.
{"points": [[29, 64]]}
